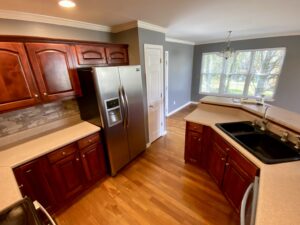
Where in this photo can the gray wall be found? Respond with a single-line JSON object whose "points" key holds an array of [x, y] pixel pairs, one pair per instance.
{"points": [[130, 37], [180, 74], [16, 27], [288, 92]]}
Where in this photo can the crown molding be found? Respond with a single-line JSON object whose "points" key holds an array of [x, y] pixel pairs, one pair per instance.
{"points": [[15, 15], [150, 26], [173, 40], [124, 26]]}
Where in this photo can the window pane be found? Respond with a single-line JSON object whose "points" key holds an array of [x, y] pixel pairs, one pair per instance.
{"points": [[268, 61], [234, 84], [240, 63], [210, 83], [263, 85], [211, 63]]}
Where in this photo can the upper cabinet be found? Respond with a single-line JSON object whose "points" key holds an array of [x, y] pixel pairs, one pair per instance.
{"points": [[117, 54], [17, 84], [90, 55], [54, 70]]}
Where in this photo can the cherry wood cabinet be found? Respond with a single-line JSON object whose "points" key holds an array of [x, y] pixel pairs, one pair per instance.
{"points": [[54, 70], [117, 55], [17, 83], [58, 177], [196, 144], [87, 55], [33, 182]]}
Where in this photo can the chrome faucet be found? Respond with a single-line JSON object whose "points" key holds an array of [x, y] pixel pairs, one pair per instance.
{"points": [[264, 121], [297, 146], [284, 136]]}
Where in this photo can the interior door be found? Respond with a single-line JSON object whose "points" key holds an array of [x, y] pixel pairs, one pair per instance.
{"points": [[131, 80], [154, 79]]}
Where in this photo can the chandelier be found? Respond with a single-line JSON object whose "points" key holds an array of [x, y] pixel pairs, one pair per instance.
{"points": [[227, 52]]}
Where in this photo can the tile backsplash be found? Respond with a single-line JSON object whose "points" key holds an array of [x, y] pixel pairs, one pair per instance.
{"points": [[21, 120]]}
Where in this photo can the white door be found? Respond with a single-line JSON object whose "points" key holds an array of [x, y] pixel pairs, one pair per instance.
{"points": [[154, 79]]}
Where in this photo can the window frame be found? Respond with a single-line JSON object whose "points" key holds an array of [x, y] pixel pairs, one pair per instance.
{"points": [[249, 75]]}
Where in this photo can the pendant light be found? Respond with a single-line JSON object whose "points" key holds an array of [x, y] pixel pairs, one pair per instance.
{"points": [[227, 52]]}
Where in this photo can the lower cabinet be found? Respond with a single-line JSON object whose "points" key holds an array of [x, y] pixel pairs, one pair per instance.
{"points": [[60, 176], [230, 169]]}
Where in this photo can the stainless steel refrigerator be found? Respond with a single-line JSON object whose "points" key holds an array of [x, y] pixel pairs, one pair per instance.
{"points": [[112, 97]]}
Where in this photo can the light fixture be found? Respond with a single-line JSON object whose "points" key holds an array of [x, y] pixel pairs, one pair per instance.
{"points": [[67, 3], [227, 52]]}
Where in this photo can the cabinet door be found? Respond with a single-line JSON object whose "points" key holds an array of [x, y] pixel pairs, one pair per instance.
{"points": [[193, 147], [33, 182], [17, 84], [235, 183], [54, 70], [90, 55], [68, 176], [216, 164], [93, 162], [117, 55]]}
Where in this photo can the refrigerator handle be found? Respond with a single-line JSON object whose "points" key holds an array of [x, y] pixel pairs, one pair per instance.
{"points": [[122, 104], [243, 205], [127, 107]]}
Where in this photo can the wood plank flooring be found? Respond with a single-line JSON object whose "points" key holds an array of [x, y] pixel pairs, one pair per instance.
{"points": [[157, 188]]}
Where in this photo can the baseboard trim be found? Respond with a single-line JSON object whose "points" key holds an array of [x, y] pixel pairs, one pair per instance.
{"points": [[164, 133], [181, 107], [148, 145]]}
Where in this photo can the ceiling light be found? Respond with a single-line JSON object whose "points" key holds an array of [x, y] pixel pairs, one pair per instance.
{"points": [[67, 3], [227, 52]]}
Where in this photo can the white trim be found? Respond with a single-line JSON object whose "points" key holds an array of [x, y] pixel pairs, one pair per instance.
{"points": [[166, 82], [124, 26], [148, 145], [164, 133], [15, 15], [194, 103], [150, 26], [168, 39], [181, 107]]}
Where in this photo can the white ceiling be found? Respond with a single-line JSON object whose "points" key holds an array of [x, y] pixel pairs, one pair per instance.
{"points": [[200, 21]]}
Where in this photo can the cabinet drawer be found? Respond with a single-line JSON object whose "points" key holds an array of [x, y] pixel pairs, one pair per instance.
{"points": [[222, 143], [62, 153], [194, 127], [94, 138]]}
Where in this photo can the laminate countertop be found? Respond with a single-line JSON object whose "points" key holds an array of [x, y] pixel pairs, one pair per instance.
{"points": [[14, 156], [279, 187]]}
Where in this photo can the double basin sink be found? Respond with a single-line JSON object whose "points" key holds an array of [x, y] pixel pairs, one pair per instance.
{"points": [[265, 145]]}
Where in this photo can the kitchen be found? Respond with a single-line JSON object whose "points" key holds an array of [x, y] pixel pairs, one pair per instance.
{"points": [[46, 141]]}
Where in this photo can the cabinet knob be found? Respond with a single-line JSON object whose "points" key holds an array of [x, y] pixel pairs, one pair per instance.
{"points": [[227, 149], [199, 139], [63, 153], [83, 156], [227, 164], [223, 159], [36, 95], [77, 159], [21, 186], [45, 93], [90, 140]]}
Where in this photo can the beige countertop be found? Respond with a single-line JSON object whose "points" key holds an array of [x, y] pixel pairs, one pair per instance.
{"points": [[279, 115], [22, 153], [279, 188]]}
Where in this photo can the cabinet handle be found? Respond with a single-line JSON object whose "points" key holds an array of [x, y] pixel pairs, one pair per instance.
{"points": [[45, 93], [226, 164], [21, 186], [223, 159]]}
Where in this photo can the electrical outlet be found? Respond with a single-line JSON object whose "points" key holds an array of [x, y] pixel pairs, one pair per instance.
{"points": [[174, 103]]}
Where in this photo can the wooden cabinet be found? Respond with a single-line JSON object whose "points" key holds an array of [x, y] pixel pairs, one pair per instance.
{"points": [[117, 55], [87, 55], [60, 176], [33, 182], [196, 145], [17, 83], [54, 70]]}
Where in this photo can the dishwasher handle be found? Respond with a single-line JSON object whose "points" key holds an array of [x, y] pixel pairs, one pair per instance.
{"points": [[38, 206], [244, 203]]}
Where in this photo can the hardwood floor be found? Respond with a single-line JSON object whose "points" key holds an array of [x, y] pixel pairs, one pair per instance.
{"points": [[158, 188]]}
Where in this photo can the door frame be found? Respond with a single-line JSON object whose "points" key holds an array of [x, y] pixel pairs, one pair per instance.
{"points": [[161, 88], [166, 83]]}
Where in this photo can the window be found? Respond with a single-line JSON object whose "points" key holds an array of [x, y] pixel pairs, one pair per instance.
{"points": [[248, 73]]}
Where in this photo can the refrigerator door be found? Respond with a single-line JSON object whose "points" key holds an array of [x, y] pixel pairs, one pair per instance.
{"points": [[131, 81], [107, 85]]}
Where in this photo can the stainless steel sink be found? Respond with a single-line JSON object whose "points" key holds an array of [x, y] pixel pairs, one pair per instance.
{"points": [[266, 146]]}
